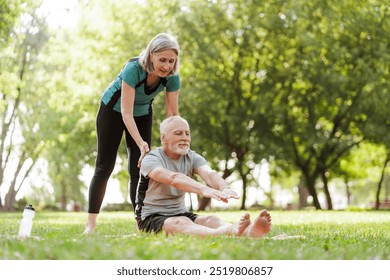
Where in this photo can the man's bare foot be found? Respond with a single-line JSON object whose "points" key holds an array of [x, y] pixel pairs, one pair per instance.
{"points": [[243, 223], [260, 227], [238, 228], [266, 215]]}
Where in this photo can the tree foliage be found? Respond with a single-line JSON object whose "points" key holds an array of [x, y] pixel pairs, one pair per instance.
{"points": [[301, 83], [323, 76], [20, 143]]}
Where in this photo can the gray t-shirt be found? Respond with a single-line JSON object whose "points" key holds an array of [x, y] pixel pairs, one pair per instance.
{"points": [[161, 198]]}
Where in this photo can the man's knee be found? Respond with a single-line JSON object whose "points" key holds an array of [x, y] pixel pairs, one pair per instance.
{"points": [[176, 224], [208, 221], [213, 219]]}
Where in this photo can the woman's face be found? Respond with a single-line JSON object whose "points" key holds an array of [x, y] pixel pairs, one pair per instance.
{"points": [[163, 62]]}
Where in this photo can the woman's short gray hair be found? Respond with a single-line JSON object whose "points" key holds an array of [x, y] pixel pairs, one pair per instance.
{"points": [[158, 44]]}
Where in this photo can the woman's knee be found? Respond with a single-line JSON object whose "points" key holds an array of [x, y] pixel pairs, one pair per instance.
{"points": [[104, 169]]}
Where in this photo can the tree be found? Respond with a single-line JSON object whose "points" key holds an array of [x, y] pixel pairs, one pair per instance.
{"points": [[293, 82], [378, 127], [20, 146], [9, 12], [222, 43], [360, 170], [325, 63]]}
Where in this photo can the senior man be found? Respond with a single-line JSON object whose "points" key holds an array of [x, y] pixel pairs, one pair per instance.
{"points": [[167, 175]]}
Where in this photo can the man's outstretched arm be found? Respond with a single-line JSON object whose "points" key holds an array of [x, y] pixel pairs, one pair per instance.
{"points": [[215, 181], [185, 183]]}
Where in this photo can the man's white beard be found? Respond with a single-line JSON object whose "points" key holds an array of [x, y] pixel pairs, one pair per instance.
{"points": [[180, 151]]}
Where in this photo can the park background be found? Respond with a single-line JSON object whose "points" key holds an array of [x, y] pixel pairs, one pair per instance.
{"points": [[288, 100]]}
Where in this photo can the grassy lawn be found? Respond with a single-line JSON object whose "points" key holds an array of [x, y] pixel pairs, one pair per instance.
{"points": [[335, 235]]}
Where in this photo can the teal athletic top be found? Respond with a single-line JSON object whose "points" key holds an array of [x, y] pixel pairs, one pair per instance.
{"points": [[135, 76]]}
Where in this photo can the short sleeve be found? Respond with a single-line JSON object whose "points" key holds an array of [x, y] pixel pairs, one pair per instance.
{"points": [[149, 162], [131, 73], [173, 83], [198, 161]]}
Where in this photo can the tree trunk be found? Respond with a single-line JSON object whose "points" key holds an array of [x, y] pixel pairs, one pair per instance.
{"points": [[326, 190], [6, 131], [244, 184], [378, 191], [204, 202], [63, 201], [310, 183], [10, 198], [348, 192], [303, 194]]}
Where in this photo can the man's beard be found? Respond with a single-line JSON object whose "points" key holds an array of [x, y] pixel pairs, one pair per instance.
{"points": [[179, 150]]}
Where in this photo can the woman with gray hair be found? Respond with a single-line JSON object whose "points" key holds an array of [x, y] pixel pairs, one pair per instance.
{"points": [[126, 106]]}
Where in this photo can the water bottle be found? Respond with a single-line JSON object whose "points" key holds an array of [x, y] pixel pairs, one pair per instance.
{"points": [[27, 221]]}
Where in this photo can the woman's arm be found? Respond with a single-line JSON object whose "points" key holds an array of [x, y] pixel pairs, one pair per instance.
{"points": [[172, 103], [127, 108]]}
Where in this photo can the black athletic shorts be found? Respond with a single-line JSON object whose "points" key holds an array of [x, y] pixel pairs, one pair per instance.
{"points": [[155, 222]]}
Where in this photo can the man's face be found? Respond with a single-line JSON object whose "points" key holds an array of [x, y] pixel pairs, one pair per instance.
{"points": [[177, 140]]}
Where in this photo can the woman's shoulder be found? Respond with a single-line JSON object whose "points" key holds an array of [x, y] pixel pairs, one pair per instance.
{"points": [[172, 82], [132, 72], [133, 64], [174, 76]]}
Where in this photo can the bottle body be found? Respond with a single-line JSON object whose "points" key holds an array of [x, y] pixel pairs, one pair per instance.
{"points": [[27, 222]]}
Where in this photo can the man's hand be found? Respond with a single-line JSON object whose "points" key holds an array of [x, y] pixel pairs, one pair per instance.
{"points": [[231, 193], [217, 195]]}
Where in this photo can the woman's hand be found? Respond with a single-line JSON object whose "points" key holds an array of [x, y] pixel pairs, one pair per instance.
{"points": [[144, 149]]}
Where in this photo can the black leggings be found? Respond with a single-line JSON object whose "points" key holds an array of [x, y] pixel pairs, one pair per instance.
{"points": [[110, 127]]}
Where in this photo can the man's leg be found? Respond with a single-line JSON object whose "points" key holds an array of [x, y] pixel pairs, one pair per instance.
{"points": [[215, 222], [214, 226], [205, 226], [211, 221]]}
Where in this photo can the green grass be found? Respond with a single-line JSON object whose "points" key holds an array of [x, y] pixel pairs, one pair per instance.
{"points": [[334, 235]]}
